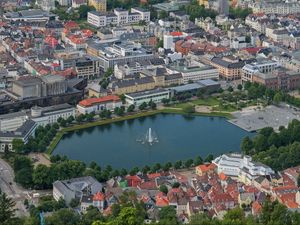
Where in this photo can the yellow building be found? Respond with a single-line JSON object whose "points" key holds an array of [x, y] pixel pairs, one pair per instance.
{"points": [[100, 5], [204, 2]]}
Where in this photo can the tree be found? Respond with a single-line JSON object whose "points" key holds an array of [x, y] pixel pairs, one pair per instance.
{"points": [[7, 211], [277, 98], [143, 106], [198, 161], [178, 164], [74, 202], [240, 87], [40, 177], [298, 180], [189, 109], [70, 119], [160, 44], [162, 14], [168, 213], [176, 185], [18, 145], [246, 145], [24, 177], [163, 188], [84, 9], [188, 163], [165, 101], [131, 108], [209, 158], [63, 217], [230, 89], [92, 214]]}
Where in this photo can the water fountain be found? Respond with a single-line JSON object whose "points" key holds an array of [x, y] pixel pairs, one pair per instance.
{"points": [[149, 138]]}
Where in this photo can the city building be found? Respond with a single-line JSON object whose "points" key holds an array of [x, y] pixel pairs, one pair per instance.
{"points": [[75, 188], [241, 166], [100, 5], [118, 17], [26, 130], [78, 3], [87, 67], [193, 71], [31, 15], [223, 7], [95, 105], [46, 5], [207, 86], [12, 121], [49, 115], [119, 52], [276, 7], [155, 95], [262, 66], [30, 86], [280, 79], [229, 67]]}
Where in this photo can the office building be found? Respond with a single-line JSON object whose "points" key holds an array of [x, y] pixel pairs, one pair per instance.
{"points": [[155, 95], [24, 132], [50, 114]]}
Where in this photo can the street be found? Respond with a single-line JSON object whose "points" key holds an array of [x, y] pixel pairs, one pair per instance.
{"points": [[14, 191]]}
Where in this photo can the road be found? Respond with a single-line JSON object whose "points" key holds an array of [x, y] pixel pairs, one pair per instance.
{"points": [[14, 191]]}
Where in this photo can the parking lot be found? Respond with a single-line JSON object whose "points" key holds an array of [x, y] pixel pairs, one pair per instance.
{"points": [[254, 119]]}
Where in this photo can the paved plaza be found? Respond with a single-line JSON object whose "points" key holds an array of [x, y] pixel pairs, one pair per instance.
{"points": [[272, 116]]}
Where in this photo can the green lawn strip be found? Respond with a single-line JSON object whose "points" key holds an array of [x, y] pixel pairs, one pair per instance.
{"points": [[211, 101]]}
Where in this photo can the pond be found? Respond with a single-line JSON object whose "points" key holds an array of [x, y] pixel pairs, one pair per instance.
{"points": [[179, 137]]}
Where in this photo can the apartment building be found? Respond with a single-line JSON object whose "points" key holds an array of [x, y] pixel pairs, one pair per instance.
{"points": [[99, 5], [277, 7], [118, 17], [229, 67]]}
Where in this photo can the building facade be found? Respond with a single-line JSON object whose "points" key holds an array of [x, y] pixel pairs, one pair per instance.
{"points": [[156, 96], [94, 105]]}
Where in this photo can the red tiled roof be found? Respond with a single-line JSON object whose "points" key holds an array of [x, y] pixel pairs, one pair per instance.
{"points": [[153, 175], [148, 185], [99, 196], [161, 200], [256, 207], [91, 101], [176, 33]]}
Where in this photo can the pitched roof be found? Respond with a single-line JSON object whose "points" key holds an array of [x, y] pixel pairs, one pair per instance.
{"points": [[99, 196], [92, 101]]}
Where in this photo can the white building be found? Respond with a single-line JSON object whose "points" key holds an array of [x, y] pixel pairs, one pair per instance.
{"points": [[168, 42], [12, 121], [278, 7], [78, 3], [194, 71], [49, 115], [242, 166], [94, 105], [155, 95], [262, 66], [46, 5], [26, 130], [65, 2], [118, 17]]}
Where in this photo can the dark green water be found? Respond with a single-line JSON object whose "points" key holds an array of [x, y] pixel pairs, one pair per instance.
{"points": [[180, 138]]}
